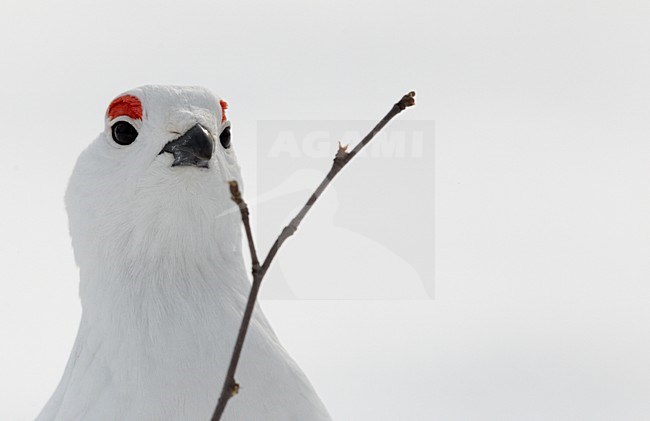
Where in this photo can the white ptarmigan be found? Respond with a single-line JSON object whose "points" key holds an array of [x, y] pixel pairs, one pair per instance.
{"points": [[163, 283]]}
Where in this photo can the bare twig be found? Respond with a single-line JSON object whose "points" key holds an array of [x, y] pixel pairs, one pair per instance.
{"points": [[243, 208], [230, 386]]}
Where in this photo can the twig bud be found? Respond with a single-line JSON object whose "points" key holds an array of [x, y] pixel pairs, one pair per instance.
{"points": [[234, 192], [407, 100], [235, 389], [342, 151]]}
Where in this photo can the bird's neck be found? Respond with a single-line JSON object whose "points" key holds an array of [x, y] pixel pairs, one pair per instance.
{"points": [[165, 266]]}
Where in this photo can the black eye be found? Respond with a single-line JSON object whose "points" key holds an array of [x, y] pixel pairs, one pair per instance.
{"points": [[123, 133], [224, 137]]}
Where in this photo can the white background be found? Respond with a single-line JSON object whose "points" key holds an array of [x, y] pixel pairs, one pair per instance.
{"points": [[542, 189]]}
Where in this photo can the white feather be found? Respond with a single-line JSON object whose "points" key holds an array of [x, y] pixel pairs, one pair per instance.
{"points": [[163, 284]]}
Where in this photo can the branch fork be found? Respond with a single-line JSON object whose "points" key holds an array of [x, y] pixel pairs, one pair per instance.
{"points": [[230, 386]]}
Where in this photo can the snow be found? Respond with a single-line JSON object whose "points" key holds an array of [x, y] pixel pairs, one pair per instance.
{"points": [[542, 193]]}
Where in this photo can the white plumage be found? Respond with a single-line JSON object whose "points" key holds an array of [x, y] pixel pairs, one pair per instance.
{"points": [[163, 283]]}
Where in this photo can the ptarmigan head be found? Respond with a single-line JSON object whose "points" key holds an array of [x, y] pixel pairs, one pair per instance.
{"points": [[153, 185], [156, 123]]}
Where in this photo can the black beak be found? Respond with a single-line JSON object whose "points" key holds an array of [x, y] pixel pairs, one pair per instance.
{"points": [[193, 148]]}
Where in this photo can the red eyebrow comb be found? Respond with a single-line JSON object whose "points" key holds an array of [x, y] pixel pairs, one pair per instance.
{"points": [[126, 105], [224, 107]]}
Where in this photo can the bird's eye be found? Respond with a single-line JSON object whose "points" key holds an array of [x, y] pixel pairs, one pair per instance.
{"points": [[123, 133], [224, 137]]}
